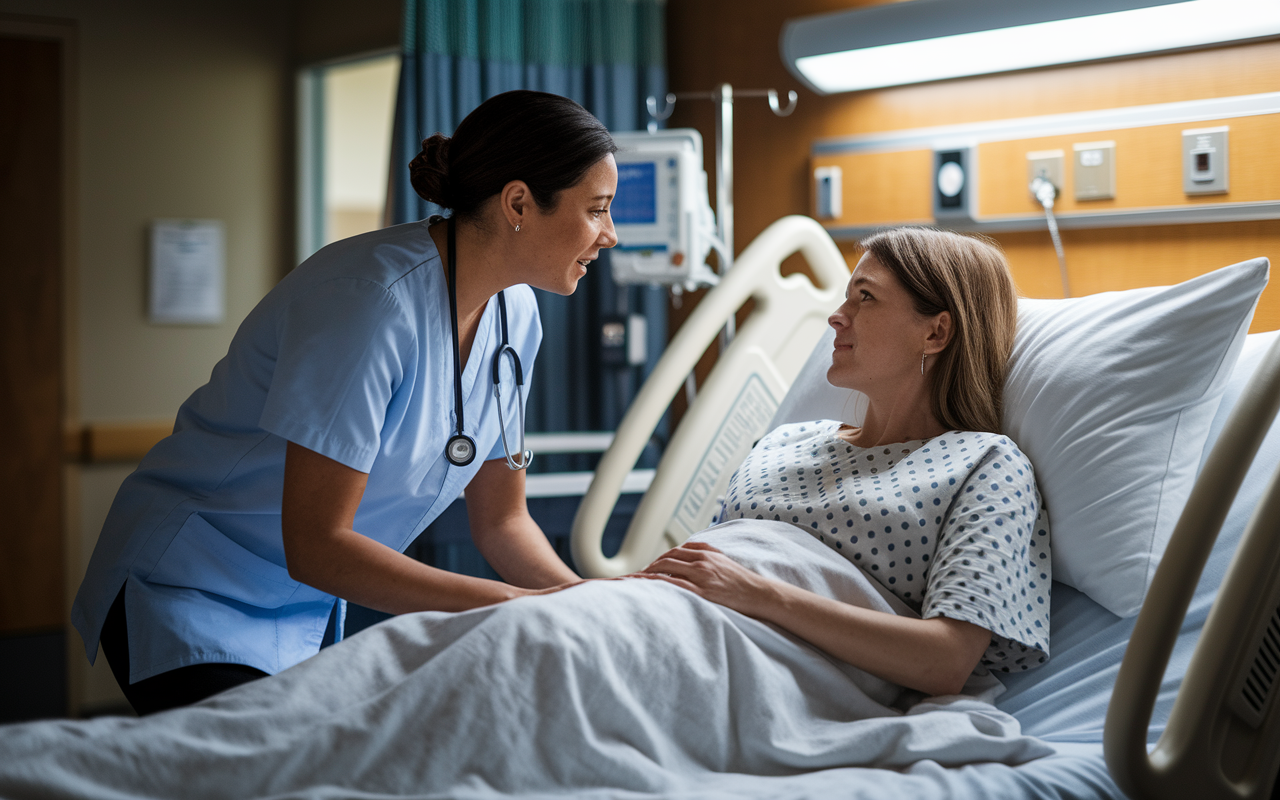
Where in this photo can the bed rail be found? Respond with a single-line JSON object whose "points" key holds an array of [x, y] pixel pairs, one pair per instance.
{"points": [[1223, 735], [732, 408]]}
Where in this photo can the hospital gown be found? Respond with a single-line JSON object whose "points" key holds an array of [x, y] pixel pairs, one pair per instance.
{"points": [[953, 525]]}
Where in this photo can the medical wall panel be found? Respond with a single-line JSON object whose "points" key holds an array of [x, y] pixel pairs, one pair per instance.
{"points": [[883, 183], [1148, 164]]}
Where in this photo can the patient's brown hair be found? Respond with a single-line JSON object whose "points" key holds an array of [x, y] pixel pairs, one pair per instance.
{"points": [[968, 277]]}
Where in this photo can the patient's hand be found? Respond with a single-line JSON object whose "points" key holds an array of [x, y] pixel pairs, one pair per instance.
{"points": [[712, 575]]}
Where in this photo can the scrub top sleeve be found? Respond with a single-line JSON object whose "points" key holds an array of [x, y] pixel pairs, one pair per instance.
{"points": [[525, 335], [342, 347]]}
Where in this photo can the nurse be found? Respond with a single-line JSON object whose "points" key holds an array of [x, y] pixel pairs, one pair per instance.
{"points": [[317, 450]]}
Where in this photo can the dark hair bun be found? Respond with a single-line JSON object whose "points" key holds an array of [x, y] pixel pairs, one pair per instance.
{"points": [[429, 171], [547, 141]]}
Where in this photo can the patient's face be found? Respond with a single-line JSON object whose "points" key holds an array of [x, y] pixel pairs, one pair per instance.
{"points": [[879, 335]]}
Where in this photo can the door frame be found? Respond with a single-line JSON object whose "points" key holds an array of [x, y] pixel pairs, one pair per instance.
{"points": [[65, 32]]}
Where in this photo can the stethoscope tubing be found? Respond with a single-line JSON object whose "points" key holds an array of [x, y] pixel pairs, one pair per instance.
{"points": [[460, 450]]}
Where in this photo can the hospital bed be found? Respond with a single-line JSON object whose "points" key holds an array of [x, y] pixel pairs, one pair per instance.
{"points": [[1118, 716], [1100, 709]]}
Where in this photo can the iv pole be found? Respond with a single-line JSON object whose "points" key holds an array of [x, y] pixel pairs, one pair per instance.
{"points": [[723, 96]]}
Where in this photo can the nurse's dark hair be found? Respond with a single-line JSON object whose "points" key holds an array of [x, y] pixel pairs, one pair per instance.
{"points": [[968, 277], [545, 140]]}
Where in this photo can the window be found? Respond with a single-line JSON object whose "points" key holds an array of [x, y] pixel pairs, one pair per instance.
{"points": [[344, 147]]}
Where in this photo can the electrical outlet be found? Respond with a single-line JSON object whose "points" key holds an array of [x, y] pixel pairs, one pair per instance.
{"points": [[1047, 164], [1094, 170]]}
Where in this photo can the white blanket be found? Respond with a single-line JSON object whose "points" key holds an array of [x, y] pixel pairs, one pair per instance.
{"points": [[610, 688]]}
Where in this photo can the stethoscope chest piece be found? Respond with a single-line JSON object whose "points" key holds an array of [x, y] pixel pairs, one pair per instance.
{"points": [[460, 450]]}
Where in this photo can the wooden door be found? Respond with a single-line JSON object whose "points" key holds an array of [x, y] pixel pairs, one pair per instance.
{"points": [[31, 384]]}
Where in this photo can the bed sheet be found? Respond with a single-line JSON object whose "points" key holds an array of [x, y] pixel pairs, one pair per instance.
{"points": [[610, 686]]}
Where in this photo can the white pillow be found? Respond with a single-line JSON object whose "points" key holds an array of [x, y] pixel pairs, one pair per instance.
{"points": [[1111, 396]]}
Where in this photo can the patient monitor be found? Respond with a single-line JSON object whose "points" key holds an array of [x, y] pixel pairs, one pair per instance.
{"points": [[661, 212]]}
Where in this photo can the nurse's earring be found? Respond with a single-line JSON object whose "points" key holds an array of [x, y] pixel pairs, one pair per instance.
{"points": [[517, 227], [922, 363]]}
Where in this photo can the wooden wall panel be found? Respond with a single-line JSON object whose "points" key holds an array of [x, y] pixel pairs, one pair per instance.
{"points": [[1109, 259], [883, 188]]}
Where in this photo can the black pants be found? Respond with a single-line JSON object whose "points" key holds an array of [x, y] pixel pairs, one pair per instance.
{"points": [[179, 687]]}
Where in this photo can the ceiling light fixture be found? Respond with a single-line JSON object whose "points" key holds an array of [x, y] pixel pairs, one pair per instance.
{"points": [[928, 40]]}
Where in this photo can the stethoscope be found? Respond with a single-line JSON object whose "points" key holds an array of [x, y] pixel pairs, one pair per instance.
{"points": [[461, 448]]}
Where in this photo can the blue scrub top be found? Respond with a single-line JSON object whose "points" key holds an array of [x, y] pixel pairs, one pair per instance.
{"points": [[350, 356]]}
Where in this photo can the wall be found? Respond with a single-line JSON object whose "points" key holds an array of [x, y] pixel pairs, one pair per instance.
{"points": [[713, 41], [324, 30], [181, 110], [178, 110]]}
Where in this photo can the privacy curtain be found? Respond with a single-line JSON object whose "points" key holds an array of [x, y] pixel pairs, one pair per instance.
{"points": [[608, 55]]}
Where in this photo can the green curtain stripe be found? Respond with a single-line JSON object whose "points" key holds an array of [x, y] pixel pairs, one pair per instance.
{"points": [[570, 33]]}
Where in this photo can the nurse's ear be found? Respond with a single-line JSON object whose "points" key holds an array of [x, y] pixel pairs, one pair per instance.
{"points": [[515, 202]]}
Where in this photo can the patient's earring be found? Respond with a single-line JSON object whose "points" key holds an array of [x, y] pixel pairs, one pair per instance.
{"points": [[922, 363], [517, 227]]}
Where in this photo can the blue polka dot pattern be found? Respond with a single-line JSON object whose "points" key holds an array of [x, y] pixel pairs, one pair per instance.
{"points": [[953, 525]]}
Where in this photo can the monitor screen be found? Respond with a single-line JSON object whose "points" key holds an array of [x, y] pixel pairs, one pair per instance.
{"points": [[636, 202]]}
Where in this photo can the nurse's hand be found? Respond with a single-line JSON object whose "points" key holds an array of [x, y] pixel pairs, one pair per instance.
{"points": [[712, 575], [548, 590], [323, 549]]}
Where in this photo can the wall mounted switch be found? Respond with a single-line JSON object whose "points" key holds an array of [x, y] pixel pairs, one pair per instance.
{"points": [[829, 192], [1045, 164], [1094, 175], [1204, 161]]}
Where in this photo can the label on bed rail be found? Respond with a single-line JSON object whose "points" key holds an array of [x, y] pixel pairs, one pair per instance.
{"points": [[745, 422]]}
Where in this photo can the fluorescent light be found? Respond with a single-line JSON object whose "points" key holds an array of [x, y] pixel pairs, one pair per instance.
{"points": [[1133, 31]]}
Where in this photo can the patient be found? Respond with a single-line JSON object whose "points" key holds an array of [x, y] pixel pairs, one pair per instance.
{"points": [[927, 497]]}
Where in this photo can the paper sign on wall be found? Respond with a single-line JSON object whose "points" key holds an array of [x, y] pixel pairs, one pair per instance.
{"points": [[188, 271]]}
